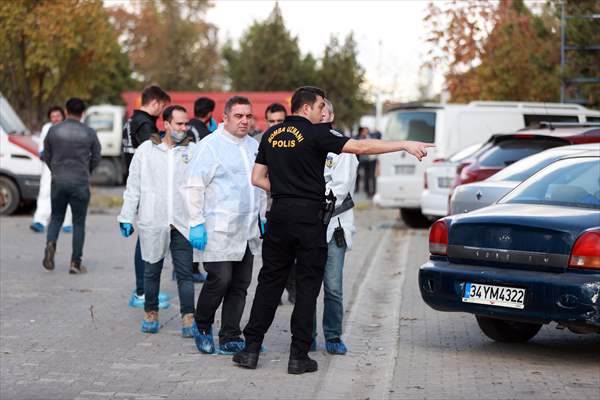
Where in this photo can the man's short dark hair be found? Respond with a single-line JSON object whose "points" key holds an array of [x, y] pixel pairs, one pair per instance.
{"points": [[75, 106], [154, 92], [203, 106], [275, 107], [168, 112], [56, 108], [305, 95], [235, 100]]}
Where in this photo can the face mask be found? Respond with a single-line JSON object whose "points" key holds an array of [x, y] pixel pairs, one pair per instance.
{"points": [[212, 125], [178, 136]]}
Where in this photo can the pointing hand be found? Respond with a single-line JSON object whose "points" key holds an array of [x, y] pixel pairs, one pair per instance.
{"points": [[417, 149]]}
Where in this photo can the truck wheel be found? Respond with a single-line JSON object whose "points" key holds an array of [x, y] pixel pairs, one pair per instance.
{"points": [[413, 218], [107, 173], [9, 196], [507, 331]]}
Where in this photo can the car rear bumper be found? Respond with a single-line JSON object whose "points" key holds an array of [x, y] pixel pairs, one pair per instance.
{"points": [[29, 186], [434, 204], [569, 298]]}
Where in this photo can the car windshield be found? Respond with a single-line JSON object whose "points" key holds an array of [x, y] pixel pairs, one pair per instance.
{"points": [[508, 151], [523, 169], [411, 125], [465, 153], [572, 182], [100, 122]]}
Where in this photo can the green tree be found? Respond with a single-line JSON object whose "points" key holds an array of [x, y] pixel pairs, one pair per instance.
{"points": [[268, 58], [54, 49], [342, 76], [169, 43]]}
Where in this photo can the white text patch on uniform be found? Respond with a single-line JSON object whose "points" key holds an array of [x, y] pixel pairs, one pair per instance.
{"points": [[336, 133]]}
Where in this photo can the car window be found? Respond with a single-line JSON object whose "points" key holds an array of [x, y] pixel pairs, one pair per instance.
{"points": [[411, 125], [533, 120], [572, 182], [592, 119], [509, 151], [465, 153], [523, 169], [100, 122]]}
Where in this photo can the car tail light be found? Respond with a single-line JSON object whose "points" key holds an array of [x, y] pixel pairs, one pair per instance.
{"points": [[438, 238], [425, 185], [586, 251]]}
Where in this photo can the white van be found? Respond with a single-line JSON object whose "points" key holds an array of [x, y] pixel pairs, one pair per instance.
{"points": [[452, 127]]}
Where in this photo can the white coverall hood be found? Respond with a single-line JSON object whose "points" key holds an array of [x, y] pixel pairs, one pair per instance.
{"points": [[152, 196], [219, 193]]}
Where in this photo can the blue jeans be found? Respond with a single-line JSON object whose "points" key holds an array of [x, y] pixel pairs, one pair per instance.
{"points": [[333, 309], [182, 255], [78, 197]]}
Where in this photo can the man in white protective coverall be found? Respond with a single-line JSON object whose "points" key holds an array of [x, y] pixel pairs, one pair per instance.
{"points": [[43, 208], [152, 195], [340, 177], [226, 217]]}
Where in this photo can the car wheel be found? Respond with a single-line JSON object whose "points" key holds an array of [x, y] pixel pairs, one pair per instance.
{"points": [[413, 218], [9, 196], [502, 330]]}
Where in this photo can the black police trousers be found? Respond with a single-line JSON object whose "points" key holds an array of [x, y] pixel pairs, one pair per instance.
{"points": [[294, 232]]}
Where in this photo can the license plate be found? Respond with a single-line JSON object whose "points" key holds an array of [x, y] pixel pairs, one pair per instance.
{"points": [[404, 169], [500, 296], [445, 182]]}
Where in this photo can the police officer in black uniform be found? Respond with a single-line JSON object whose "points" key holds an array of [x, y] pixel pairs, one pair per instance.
{"points": [[290, 163]]}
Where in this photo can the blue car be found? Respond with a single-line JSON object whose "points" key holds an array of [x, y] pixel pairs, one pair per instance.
{"points": [[530, 259]]}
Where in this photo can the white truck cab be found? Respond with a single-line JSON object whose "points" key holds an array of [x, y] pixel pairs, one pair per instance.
{"points": [[452, 127]]}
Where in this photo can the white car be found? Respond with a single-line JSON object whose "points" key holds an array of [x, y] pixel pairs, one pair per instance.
{"points": [[438, 182], [474, 196], [452, 127]]}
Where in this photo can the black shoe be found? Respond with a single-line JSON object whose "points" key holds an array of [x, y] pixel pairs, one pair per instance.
{"points": [[246, 359], [301, 365], [77, 268], [48, 261]]}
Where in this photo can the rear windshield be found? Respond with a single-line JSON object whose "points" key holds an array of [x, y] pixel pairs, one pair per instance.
{"points": [[411, 125], [509, 151], [465, 153], [572, 182]]}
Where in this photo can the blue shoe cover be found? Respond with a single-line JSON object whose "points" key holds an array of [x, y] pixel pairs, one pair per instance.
{"points": [[204, 340], [163, 297], [136, 301], [187, 332], [313, 346], [230, 348], [67, 229], [37, 227], [336, 347], [163, 305], [149, 327]]}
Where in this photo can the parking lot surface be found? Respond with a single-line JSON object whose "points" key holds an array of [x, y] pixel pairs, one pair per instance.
{"points": [[74, 337]]}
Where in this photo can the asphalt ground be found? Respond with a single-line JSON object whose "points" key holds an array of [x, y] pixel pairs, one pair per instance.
{"points": [[74, 337]]}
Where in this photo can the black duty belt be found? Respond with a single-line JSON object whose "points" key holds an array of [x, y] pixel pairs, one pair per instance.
{"points": [[298, 202]]}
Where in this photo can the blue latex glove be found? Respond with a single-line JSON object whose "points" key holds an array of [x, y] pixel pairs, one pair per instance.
{"points": [[263, 226], [126, 229], [198, 237]]}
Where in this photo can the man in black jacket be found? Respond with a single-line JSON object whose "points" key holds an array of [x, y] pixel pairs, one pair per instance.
{"points": [[71, 151], [203, 123], [137, 130]]}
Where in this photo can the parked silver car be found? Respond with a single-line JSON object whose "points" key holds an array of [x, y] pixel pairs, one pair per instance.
{"points": [[481, 194]]}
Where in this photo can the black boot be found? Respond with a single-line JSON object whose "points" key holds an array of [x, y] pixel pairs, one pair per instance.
{"points": [[301, 365], [48, 261], [246, 359]]}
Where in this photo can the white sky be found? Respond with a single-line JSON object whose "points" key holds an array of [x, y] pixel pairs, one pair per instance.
{"points": [[389, 34]]}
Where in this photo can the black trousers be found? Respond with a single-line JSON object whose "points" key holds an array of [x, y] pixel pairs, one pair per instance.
{"points": [[227, 281], [294, 232]]}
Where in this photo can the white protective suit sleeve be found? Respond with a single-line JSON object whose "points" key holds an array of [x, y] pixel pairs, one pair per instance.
{"points": [[199, 173], [343, 176], [131, 196]]}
